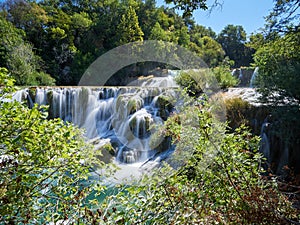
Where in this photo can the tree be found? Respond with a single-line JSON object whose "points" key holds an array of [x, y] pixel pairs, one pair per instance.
{"points": [[198, 31], [17, 55], [256, 41], [189, 7], [233, 39], [183, 36], [208, 49], [147, 15], [157, 33], [279, 66], [284, 17], [28, 16], [128, 29]]}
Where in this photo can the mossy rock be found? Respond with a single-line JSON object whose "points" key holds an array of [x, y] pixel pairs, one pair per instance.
{"points": [[32, 92], [239, 111], [133, 105], [144, 126], [128, 102], [164, 145], [106, 153], [31, 96], [50, 103], [164, 106]]}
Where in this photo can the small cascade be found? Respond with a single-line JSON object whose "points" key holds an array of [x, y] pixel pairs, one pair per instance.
{"points": [[123, 115], [233, 72], [20, 95], [150, 81], [253, 78], [40, 96], [241, 75], [244, 75], [265, 144], [159, 82], [173, 73]]}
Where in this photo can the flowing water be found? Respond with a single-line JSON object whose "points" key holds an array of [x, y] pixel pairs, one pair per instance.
{"points": [[125, 117], [253, 78]]}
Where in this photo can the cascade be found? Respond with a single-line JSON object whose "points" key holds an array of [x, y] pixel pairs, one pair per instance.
{"points": [[265, 145], [241, 75], [233, 72], [253, 78], [244, 75], [125, 116]]}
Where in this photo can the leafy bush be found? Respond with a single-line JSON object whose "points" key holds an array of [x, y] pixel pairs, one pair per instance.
{"points": [[44, 165], [18, 55], [185, 80], [212, 178], [224, 77], [279, 66], [219, 182], [194, 81]]}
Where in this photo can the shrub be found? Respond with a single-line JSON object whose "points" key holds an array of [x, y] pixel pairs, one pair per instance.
{"points": [[44, 165], [224, 77], [219, 183], [195, 81]]}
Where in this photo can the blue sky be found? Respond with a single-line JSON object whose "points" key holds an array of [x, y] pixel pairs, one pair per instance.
{"points": [[248, 13]]}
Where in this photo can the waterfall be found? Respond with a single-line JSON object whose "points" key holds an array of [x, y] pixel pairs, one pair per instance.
{"points": [[233, 72], [125, 116], [253, 78], [264, 144], [241, 75]]}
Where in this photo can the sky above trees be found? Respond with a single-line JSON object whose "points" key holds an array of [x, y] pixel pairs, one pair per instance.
{"points": [[250, 14]]}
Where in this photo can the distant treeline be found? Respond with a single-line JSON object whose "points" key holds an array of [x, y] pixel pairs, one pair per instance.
{"points": [[53, 42]]}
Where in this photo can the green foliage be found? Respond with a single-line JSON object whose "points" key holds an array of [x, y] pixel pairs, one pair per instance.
{"points": [[44, 165], [183, 36], [81, 21], [199, 30], [194, 81], [18, 56], [256, 41], [208, 49], [188, 6], [279, 66], [128, 29], [219, 182], [147, 15], [224, 77], [233, 38], [6, 83], [157, 33], [189, 83]]}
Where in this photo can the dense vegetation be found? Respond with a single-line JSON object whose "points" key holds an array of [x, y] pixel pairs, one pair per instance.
{"points": [[45, 168], [45, 164], [57, 40]]}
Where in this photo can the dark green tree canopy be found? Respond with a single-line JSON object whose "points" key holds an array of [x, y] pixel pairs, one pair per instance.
{"points": [[279, 66], [233, 39]]}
